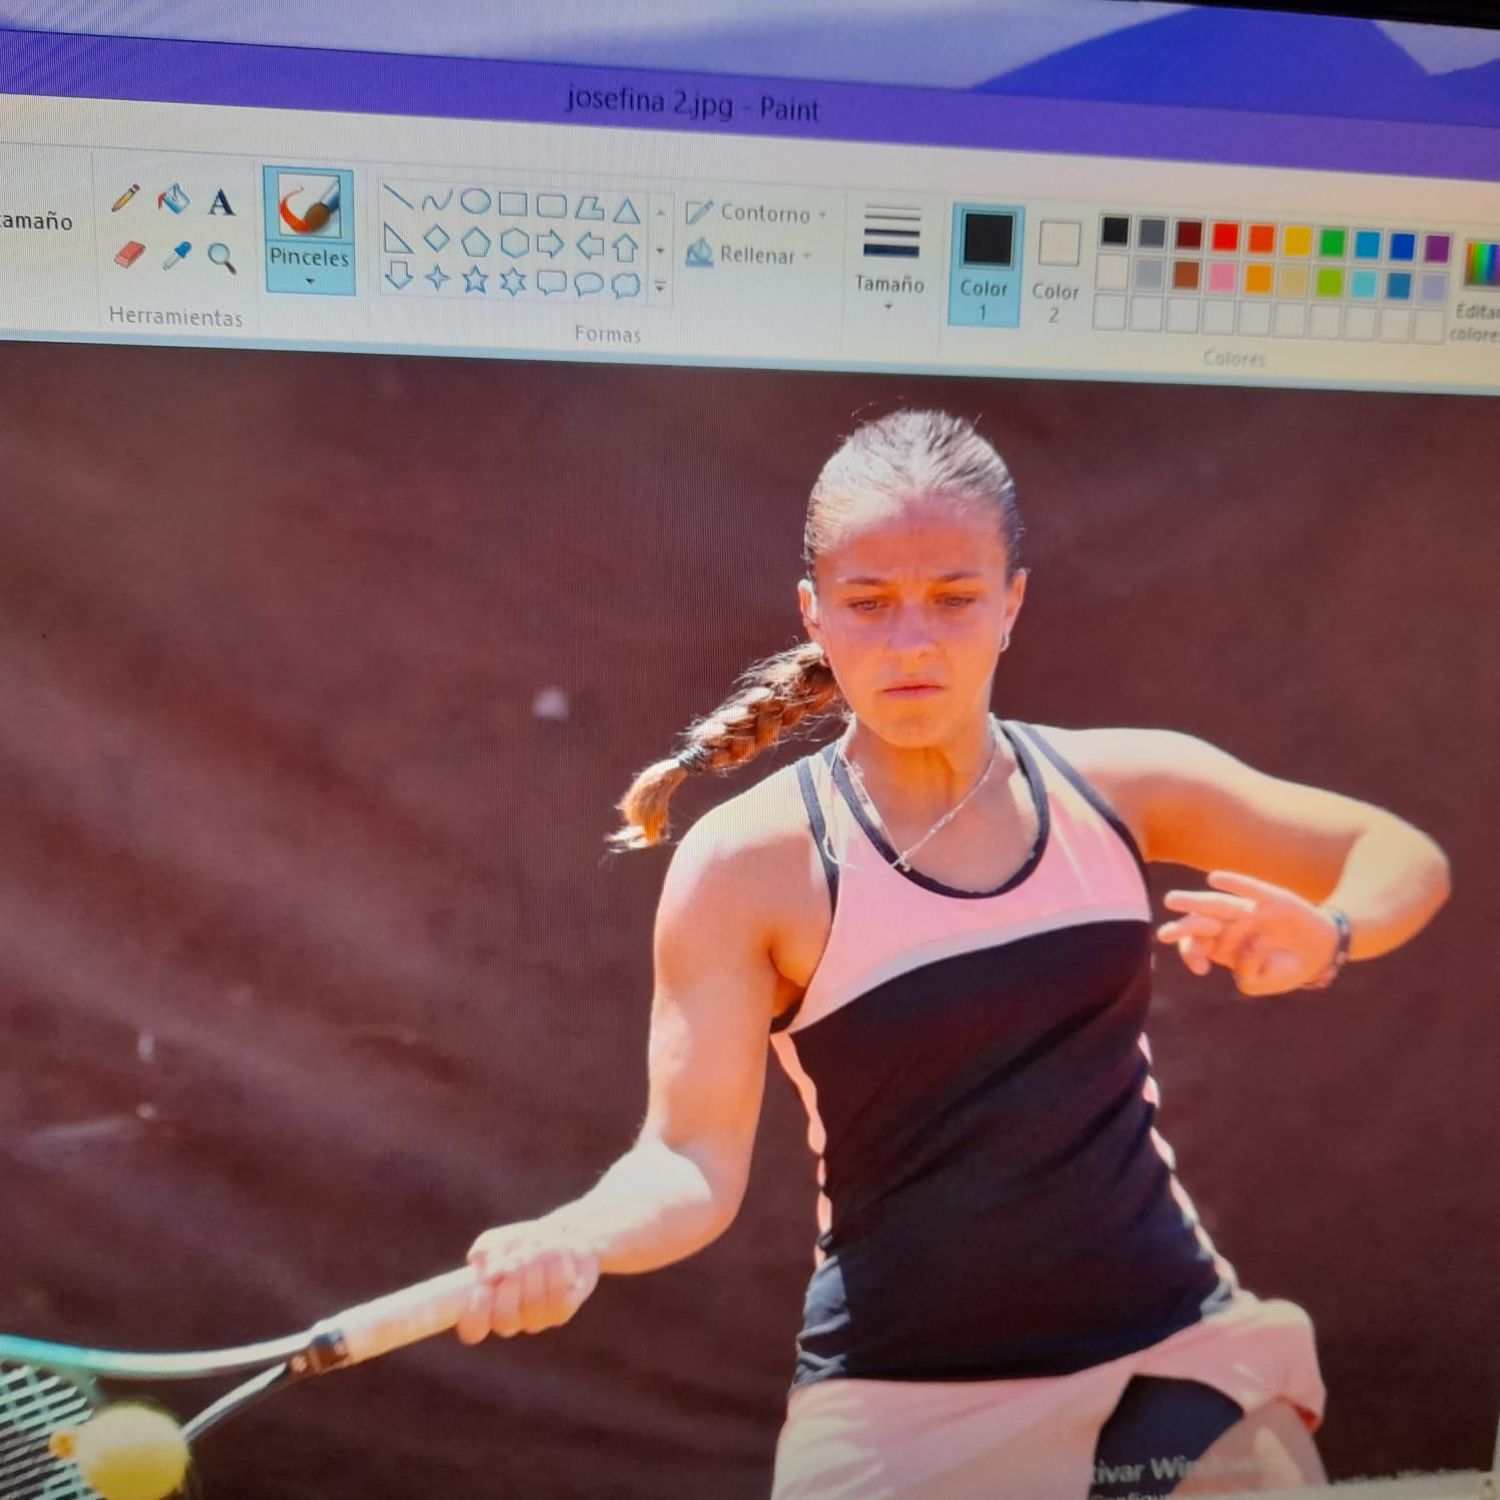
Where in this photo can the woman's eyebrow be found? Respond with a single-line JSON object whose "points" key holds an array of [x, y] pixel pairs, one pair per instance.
{"points": [[870, 580]]}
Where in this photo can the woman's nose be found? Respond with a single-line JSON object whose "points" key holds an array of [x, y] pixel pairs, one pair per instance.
{"points": [[911, 634]]}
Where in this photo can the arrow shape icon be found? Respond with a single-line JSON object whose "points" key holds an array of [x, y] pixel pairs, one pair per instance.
{"points": [[550, 243], [625, 248], [591, 245], [399, 275]]}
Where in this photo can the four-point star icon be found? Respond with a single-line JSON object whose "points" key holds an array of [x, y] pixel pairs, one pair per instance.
{"points": [[513, 281], [437, 276], [474, 279]]}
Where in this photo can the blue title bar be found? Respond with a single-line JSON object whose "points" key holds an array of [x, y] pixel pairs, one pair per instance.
{"points": [[289, 78]]}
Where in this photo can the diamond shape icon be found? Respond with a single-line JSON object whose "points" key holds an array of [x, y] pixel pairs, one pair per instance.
{"points": [[437, 237]]}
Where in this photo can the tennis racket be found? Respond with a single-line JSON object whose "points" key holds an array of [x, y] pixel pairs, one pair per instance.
{"points": [[49, 1393]]}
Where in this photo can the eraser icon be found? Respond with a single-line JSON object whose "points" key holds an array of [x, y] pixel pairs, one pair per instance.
{"points": [[128, 253]]}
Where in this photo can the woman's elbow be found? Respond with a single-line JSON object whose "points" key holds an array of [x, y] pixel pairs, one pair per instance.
{"points": [[1429, 871], [1441, 878]]}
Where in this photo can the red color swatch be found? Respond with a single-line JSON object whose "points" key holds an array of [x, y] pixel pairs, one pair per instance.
{"points": [[1226, 236]]}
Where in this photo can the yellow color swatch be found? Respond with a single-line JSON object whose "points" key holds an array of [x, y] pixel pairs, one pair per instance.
{"points": [[1296, 239], [1293, 281], [1258, 279]]}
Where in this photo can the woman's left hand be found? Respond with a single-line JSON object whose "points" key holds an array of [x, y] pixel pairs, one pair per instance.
{"points": [[1269, 937]]}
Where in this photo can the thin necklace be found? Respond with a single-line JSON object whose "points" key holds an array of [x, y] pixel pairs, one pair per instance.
{"points": [[904, 857]]}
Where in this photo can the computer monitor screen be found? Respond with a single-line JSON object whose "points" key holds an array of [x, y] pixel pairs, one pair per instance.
{"points": [[830, 731]]}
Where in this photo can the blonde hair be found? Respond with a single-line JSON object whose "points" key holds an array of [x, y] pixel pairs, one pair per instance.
{"points": [[905, 453]]}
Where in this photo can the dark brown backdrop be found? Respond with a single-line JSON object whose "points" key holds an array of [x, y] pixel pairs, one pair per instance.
{"points": [[311, 967]]}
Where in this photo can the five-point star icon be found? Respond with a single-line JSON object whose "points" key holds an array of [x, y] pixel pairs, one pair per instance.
{"points": [[437, 276], [474, 279], [513, 281]]}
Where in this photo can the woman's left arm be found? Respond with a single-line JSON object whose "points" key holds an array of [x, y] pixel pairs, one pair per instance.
{"points": [[1278, 855]]}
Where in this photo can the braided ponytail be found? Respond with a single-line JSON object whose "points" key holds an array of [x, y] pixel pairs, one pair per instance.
{"points": [[769, 701], [902, 454]]}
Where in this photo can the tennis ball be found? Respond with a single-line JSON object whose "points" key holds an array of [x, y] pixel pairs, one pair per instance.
{"points": [[131, 1452]]}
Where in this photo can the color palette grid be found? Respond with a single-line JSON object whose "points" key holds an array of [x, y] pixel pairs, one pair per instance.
{"points": [[1158, 273]]}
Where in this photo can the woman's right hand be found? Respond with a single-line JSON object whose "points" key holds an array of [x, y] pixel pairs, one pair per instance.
{"points": [[535, 1275]]}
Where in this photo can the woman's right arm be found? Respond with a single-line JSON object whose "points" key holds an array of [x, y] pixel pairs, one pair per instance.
{"points": [[680, 1185]]}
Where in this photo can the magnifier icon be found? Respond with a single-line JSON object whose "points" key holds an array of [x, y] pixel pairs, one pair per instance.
{"points": [[218, 253]]}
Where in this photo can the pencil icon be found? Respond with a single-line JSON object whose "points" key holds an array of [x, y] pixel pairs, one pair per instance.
{"points": [[124, 197]]}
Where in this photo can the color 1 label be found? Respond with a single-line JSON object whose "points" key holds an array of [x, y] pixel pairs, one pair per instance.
{"points": [[984, 279]]}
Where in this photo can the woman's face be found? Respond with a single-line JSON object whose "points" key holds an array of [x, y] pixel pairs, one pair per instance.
{"points": [[910, 604]]}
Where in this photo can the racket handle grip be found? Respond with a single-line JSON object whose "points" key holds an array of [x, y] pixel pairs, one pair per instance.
{"points": [[391, 1322]]}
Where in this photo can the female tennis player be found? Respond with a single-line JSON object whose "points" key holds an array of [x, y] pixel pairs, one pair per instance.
{"points": [[942, 923]]}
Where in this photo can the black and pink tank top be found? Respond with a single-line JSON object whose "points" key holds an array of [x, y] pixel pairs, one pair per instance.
{"points": [[994, 1199]]}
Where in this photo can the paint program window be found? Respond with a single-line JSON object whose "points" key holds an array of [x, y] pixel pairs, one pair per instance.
{"points": [[840, 730]]}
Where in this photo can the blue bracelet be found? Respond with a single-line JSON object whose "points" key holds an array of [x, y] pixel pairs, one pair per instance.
{"points": [[1340, 952]]}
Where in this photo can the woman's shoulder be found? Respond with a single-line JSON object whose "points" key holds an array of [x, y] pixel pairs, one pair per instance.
{"points": [[748, 871], [1115, 750], [1120, 763], [759, 822], [760, 836]]}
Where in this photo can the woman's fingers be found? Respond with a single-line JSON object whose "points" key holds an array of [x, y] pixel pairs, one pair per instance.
{"points": [[1203, 940], [545, 1298], [1180, 927], [1255, 929], [1195, 954], [1209, 904], [531, 1280], [1237, 948], [505, 1315], [474, 1324], [587, 1270], [1248, 886]]}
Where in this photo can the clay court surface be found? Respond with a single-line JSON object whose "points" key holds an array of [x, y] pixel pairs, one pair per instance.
{"points": [[312, 965]]}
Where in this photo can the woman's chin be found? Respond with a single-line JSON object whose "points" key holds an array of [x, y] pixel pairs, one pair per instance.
{"points": [[911, 720]]}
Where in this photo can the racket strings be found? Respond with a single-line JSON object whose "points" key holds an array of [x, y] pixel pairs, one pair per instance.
{"points": [[34, 1403]]}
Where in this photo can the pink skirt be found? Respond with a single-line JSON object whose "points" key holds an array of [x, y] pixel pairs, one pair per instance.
{"points": [[1033, 1439]]}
